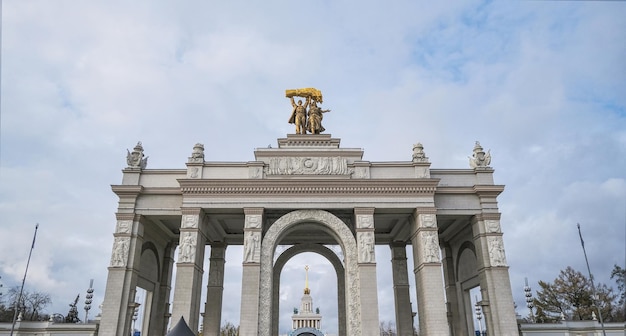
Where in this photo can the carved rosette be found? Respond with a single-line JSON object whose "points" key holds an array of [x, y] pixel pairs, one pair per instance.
{"points": [[123, 226], [492, 226], [190, 221], [308, 166], [497, 256], [347, 240], [119, 257], [427, 220]]}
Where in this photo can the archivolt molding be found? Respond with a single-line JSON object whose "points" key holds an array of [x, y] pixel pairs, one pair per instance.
{"points": [[344, 237]]}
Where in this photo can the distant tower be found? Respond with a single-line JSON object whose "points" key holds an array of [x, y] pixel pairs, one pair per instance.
{"points": [[306, 320]]}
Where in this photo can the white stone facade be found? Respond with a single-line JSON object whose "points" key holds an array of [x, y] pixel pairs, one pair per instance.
{"points": [[309, 192]]}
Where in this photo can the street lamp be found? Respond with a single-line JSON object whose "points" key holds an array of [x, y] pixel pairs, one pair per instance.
{"points": [[479, 317], [88, 298], [529, 299]]}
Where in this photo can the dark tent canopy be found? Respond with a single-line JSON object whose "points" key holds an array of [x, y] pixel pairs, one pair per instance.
{"points": [[181, 329]]}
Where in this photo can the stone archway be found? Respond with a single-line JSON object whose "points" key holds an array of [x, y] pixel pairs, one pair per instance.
{"points": [[339, 270], [344, 237]]}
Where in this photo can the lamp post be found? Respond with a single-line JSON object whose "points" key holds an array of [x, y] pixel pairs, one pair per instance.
{"points": [[479, 316], [529, 299], [88, 299]]}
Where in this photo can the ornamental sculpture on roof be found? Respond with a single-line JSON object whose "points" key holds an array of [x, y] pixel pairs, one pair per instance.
{"points": [[479, 158], [306, 121]]}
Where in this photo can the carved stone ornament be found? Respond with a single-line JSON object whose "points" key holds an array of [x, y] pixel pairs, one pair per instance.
{"points": [[364, 221], [361, 173], [136, 158], [430, 247], [251, 251], [255, 172], [253, 221], [492, 226], [427, 220], [366, 247], [194, 172], [348, 242], [187, 248], [190, 221], [418, 153], [496, 251], [479, 158], [123, 226], [119, 256], [197, 155], [308, 166]]}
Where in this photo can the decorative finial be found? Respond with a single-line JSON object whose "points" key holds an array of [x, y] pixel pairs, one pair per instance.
{"points": [[418, 153], [197, 156], [136, 158], [479, 158], [306, 281]]}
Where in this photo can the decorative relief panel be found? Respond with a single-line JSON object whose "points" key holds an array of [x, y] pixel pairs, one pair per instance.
{"points": [[364, 221], [430, 247], [187, 252], [251, 251], [366, 247], [119, 257], [496, 251], [253, 221], [255, 172], [194, 172], [123, 226], [361, 172], [492, 226], [427, 220], [308, 166], [190, 221]]}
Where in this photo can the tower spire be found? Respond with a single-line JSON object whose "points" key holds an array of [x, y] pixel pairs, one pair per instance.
{"points": [[306, 281]]}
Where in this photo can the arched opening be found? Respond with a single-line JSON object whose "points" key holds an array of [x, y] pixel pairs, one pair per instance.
{"points": [[336, 309], [337, 229]]}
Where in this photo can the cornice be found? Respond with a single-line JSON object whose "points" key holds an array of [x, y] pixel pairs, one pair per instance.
{"points": [[492, 190], [308, 187], [127, 190]]}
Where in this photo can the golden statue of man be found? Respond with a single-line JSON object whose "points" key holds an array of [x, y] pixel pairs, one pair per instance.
{"points": [[298, 115]]}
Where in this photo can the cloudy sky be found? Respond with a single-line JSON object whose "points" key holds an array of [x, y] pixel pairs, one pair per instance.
{"points": [[540, 83]]}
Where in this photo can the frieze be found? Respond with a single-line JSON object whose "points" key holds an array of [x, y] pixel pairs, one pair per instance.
{"points": [[496, 251], [123, 226], [430, 247], [119, 257], [190, 221], [187, 248], [309, 189], [308, 166], [492, 226]]}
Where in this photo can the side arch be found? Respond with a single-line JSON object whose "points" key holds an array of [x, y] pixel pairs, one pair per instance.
{"points": [[344, 237], [339, 270]]}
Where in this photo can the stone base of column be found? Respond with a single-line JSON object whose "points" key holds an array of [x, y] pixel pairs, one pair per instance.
{"points": [[249, 317], [369, 300]]}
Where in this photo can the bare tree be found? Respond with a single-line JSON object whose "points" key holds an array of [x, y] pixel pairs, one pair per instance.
{"points": [[31, 304]]}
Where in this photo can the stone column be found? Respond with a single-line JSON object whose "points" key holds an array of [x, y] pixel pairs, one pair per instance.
{"points": [[119, 298], [455, 319], [402, 298], [161, 309], [189, 269], [495, 285], [367, 270], [428, 279], [215, 291], [249, 317]]}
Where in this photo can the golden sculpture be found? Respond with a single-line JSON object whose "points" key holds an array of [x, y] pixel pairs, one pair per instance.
{"points": [[311, 122]]}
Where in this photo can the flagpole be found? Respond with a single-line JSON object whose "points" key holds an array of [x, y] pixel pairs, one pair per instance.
{"points": [[19, 298], [593, 287]]}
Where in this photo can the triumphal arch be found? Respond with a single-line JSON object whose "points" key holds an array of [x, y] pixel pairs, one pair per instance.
{"points": [[309, 193]]}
